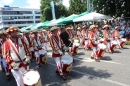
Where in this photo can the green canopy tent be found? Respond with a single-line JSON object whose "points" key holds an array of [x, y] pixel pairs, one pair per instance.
{"points": [[29, 27], [68, 19], [84, 13], [55, 22]]}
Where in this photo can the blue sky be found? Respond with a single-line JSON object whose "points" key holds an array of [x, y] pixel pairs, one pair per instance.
{"points": [[26, 3]]}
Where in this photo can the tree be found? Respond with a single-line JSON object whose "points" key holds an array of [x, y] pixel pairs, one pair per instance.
{"points": [[77, 6], [46, 11], [112, 7]]}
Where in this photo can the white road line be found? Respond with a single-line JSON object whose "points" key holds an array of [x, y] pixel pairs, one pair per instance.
{"points": [[91, 60], [107, 80]]}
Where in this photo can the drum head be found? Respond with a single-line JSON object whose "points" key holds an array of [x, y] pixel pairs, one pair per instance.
{"points": [[67, 59], [31, 77], [76, 41]]}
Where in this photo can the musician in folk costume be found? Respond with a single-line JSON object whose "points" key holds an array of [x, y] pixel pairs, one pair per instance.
{"points": [[79, 33], [71, 35], [42, 50], [57, 47], [92, 43], [84, 33], [107, 36], [45, 36], [3, 63], [34, 44], [117, 37], [17, 54]]}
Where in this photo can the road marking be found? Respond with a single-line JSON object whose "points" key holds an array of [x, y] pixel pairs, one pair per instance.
{"points": [[91, 60], [107, 80]]}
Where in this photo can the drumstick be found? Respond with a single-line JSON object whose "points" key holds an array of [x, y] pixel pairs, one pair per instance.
{"points": [[23, 74]]}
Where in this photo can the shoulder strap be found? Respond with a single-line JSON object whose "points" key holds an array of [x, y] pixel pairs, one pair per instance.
{"points": [[16, 53], [56, 42]]}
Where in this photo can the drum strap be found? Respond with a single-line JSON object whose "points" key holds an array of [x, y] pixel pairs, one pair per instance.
{"points": [[16, 53], [57, 43]]}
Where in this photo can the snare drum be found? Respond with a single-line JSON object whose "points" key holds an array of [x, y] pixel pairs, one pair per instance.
{"points": [[32, 78], [75, 47], [76, 41], [101, 53], [66, 63]]}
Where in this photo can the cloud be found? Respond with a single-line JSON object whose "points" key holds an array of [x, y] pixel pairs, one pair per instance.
{"points": [[5, 2], [33, 4], [66, 3]]}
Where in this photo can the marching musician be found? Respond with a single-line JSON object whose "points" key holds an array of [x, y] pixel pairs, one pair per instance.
{"points": [[57, 47], [45, 36], [16, 53], [4, 65], [93, 45], [79, 33], [107, 35], [84, 33], [117, 37]]}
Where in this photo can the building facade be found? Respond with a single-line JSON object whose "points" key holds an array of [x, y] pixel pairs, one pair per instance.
{"points": [[21, 17]]}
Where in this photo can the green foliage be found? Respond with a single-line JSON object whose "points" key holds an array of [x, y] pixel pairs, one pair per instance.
{"points": [[127, 43], [113, 7], [46, 11], [77, 6]]}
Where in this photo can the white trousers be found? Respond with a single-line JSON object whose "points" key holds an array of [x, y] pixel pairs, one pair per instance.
{"points": [[45, 45], [94, 51], [59, 64], [18, 75]]}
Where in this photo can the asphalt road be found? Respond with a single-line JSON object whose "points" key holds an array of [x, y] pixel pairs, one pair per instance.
{"points": [[113, 70]]}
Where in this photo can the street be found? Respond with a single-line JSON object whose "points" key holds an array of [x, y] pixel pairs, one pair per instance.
{"points": [[112, 70]]}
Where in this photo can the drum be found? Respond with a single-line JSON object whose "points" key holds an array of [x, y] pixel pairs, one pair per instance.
{"points": [[75, 47], [43, 59], [101, 53], [66, 63], [31, 78], [113, 47], [122, 44], [76, 41], [123, 39]]}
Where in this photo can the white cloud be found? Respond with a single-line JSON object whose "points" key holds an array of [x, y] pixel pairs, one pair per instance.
{"points": [[66, 3], [33, 4], [5, 2]]}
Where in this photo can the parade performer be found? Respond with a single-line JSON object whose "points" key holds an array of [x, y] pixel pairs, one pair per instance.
{"points": [[42, 49], [16, 53], [45, 36], [107, 36], [57, 47], [92, 43], [34, 43], [85, 40], [4, 65], [28, 37], [117, 38], [79, 33]]}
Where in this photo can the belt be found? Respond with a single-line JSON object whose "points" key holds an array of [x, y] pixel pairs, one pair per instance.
{"points": [[19, 61]]}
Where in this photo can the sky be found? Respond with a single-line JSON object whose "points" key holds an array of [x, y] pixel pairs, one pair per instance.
{"points": [[27, 3]]}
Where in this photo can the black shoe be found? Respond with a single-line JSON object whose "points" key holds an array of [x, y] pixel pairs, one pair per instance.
{"points": [[63, 77], [8, 77], [57, 71], [92, 57]]}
